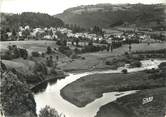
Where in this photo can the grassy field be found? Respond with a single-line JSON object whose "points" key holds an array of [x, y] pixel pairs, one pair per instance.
{"points": [[132, 106], [34, 45], [21, 65], [88, 88]]}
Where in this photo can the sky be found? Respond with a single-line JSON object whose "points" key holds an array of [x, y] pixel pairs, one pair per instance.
{"points": [[53, 7]]}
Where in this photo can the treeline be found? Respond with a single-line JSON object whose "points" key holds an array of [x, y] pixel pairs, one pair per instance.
{"points": [[161, 51], [31, 19]]}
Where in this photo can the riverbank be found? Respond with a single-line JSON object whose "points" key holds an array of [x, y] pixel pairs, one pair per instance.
{"points": [[21, 86], [32, 72], [17, 99], [133, 106], [90, 87]]}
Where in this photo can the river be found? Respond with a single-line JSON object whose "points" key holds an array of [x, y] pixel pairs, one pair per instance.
{"points": [[51, 96]]}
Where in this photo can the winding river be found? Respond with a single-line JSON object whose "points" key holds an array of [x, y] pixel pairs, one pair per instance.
{"points": [[51, 96]]}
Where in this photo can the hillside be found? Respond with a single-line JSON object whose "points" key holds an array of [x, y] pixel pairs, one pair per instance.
{"points": [[29, 18], [107, 15]]}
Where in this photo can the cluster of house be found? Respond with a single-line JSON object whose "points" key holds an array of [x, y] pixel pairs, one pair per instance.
{"points": [[26, 33]]}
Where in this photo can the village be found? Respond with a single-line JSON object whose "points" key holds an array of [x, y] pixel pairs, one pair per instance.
{"points": [[98, 35]]}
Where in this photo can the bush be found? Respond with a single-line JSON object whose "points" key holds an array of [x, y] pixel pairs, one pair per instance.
{"points": [[153, 70], [17, 53], [35, 54], [61, 42], [65, 50], [136, 64], [14, 53], [124, 71], [47, 111], [40, 67], [103, 42], [43, 55], [108, 63], [23, 53], [58, 42], [7, 56], [162, 65], [49, 61], [83, 58], [77, 51], [49, 50], [3, 67], [126, 53]]}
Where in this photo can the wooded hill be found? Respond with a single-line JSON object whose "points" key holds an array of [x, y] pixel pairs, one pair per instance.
{"points": [[31, 19], [108, 15]]}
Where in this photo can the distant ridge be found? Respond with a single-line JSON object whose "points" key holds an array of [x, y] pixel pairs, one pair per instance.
{"points": [[108, 15]]}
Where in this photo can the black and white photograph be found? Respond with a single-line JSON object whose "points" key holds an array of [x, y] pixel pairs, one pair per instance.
{"points": [[83, 58]]}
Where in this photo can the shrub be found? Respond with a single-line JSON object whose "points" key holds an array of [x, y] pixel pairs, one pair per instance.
{"points": [[126, 53], [103, 42], [35, 54], [7, 56], [136, 64], [83, 58], [47, 111], [58, 42], [10, 47], [77, 51], [3, 67], [43, 55], [153, 70], [108, 63], [49, 61], [124, 71], [40, 67], [162, 65], [49, 50], [61, 42], [65, 50], [23, 53]]}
